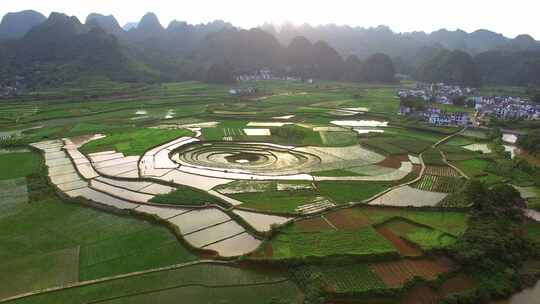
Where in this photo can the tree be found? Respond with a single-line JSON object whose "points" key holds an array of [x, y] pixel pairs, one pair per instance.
{"points": [[378, 68], [459, 101], [455, 67], [530, 142], [353, 69], [299, 57], [220, 73], [327, 61]]}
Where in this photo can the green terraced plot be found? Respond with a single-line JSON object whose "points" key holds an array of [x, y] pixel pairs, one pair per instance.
{"points": [[425, 237], [347, 279], [185, 196], [109, 244], [473, 167], [133, 142], [204, 283], [345, 192], [19, 164], [39, 271], [365, 241], [277, 201], [451, 222]]}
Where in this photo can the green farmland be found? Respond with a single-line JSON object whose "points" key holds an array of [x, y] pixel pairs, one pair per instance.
{"points": [[299, 193]]}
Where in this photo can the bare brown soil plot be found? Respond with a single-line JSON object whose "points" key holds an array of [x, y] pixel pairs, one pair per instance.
{"points": [[395, 274], [313, 225], [426, 295], [403, 247], [267, 252], [347, 219], [457, 284], [394, 161], [421, 295]]}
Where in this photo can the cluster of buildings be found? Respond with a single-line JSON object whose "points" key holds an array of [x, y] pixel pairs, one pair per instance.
{"points": [[506, 107], [257, 76], [248, 91], [266, 74], [436, 116], [436, 92], [13, 87], [421, 102]]}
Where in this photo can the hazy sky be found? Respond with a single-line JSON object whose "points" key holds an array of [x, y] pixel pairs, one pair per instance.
{"points": [[507, 17]]}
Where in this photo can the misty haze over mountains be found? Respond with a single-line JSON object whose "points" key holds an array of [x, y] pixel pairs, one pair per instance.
{"points": [[148, 51]]}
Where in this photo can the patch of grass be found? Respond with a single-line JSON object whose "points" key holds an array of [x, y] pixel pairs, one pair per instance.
{"points": [[365, 241], [458, 153], [433, 157], [356, 278], [492, 179], [534, 203], [429, 239], [39, 271], [345, 192], [451, 222], [184, 196], [14, 194], [532, 230], [426, 238], [19, 164], [109, 244], [277, 201], [459, 141], [338, 139], [232, 128], [410, 133], [296, 135], [473, 167], [336, 173], [396, 145], [509, 170], [205, 283], [133, 142]]}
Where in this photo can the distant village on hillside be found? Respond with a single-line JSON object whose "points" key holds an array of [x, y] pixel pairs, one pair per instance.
{"points": [[426, 102], [12, 87]]}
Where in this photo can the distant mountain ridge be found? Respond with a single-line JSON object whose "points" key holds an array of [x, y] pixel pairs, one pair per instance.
{"points": [[365, 41], [16, 25], [55, 49], [108, 23]]}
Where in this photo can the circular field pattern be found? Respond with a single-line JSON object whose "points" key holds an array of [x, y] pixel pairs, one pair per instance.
{"points": [[257, 158]]}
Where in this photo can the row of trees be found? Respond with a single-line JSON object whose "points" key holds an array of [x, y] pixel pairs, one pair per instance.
{"points": [[520, 68], [302, 59], [530, 142], [494, 247]]}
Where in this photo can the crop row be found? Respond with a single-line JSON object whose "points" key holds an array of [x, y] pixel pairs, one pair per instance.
{"points": [[435, 183], [441, 171], [396, 273], [325, 243], [354, 278]]}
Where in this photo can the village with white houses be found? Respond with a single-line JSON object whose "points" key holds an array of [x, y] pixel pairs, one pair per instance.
{"points": [[424, 102], [12, 87]]}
